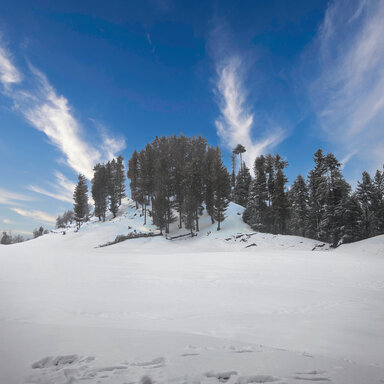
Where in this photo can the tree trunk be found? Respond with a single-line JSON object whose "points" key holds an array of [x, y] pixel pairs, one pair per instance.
{"points": [[145, 214], [197, 221]]}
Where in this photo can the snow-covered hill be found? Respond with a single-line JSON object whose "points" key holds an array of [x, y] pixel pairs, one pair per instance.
{"points": [[230, 306], [234, 235]]}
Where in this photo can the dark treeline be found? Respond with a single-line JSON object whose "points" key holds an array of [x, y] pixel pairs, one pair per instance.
{"points": [[7, 238], [321, 207], [174, 176]]}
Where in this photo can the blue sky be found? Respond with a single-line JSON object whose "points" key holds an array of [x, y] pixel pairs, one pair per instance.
{"points": [[83, 81]]}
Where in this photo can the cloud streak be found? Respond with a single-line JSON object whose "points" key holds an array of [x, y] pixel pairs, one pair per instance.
{"points": [[9, 198], [61, 190], [235, 125], [348, 93], [51, 113], [8, 72], [36, 215]]}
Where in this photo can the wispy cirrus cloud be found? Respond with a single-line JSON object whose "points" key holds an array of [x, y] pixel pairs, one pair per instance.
{"points": [[9, 197], [236, 123], [8, 72], [49, 112], [62, 189], [348, 93], [36, 215]]}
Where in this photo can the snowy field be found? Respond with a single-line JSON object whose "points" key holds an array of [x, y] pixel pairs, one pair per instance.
{"points": [[230, 306]]}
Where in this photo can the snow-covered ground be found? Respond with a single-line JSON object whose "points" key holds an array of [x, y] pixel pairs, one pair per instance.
{"points": [[231, 306]]}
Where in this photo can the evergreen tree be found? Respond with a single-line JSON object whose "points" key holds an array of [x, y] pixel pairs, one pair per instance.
{"points": [[280, 203], [179, 149], [112, 187], [317, 187], [243, 180], [298, 196], [66, 219], [378, 204], [365, 193], [239, 150], [351, 216], [38, 232], [222, 189], [133, 174], [6, 239], [100, 190], [193, 195], [120, 178], [336, 193], [80, 197], [254, 214], [233, 174], [209, 182]]}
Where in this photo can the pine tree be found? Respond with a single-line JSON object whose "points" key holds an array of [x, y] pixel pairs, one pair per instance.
{"points": [[6, 239], [280, 203], [378, 204], [233, 174], [120, 178], [254, 214], [100, 190], [209, 182], [317, 187], [351, 216], [112, 187], [222, 189], [298, 196], [133, 174], [239, 150], [336, 192], [193, 195], [80, 197], [179, 150], [365, 193], [243, 180]]}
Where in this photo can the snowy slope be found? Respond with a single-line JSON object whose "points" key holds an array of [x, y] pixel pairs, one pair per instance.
{"points": [[204, 309]]}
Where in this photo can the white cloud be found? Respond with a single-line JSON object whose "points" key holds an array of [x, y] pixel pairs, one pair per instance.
{"points": [[348, 94], [50, 113], [8, 197], [236, 122], [36, 215], [7, 221], [8, 72], [61, 190]]}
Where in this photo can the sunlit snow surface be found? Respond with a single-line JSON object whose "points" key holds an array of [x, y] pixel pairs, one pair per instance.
{"points": [[201, 310]]}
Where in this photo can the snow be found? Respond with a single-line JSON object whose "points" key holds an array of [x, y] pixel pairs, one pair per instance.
{"points": [[205, 309]]}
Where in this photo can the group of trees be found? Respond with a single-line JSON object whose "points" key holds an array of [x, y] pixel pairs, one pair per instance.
{"points": [[266, 202], [179, 174], [174, 177], [37, 232], [65, 220], [323, 207], [108, 187], [108, 190], [8, 238]]}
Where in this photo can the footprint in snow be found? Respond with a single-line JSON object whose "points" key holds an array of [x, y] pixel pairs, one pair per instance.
{"points": [[256, 379], [221, 376], [155, 363]]}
